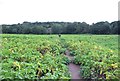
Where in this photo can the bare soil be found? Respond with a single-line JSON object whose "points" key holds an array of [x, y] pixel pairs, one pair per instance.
{"points": [[73, 68]]}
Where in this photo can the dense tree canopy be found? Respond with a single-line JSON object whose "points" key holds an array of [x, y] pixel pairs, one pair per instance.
{"points": [[62, 28]]}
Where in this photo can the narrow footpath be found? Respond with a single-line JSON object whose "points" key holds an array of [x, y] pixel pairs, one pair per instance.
{"points": [[73, 68]]}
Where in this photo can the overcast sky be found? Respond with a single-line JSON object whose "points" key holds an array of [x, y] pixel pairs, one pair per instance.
{"points": [[90, 11]]}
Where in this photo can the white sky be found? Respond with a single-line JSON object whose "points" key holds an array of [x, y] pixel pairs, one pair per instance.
{"points": [[90, 11]]}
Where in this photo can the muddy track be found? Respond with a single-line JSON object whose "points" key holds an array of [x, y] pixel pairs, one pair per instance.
{"points": [[73, 68]]}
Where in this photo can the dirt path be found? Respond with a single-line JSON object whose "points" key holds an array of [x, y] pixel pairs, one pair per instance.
{"points": [[73, 68]]}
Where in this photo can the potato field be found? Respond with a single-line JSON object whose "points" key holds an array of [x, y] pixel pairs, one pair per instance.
{"points": [[43, 56]]}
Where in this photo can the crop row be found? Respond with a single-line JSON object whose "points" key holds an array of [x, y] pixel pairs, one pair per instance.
{"points": [[96, 62], [31, 58]]}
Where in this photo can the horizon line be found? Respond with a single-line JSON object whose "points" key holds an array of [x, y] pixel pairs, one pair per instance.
{"points": [[57, 21]]}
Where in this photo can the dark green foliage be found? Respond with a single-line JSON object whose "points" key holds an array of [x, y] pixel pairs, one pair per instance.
{"points": [[72, 53], [62, 28], [66, 60]]}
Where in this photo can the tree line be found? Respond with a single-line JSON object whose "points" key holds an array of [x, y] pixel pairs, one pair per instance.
{"points": [[62, 28]]}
